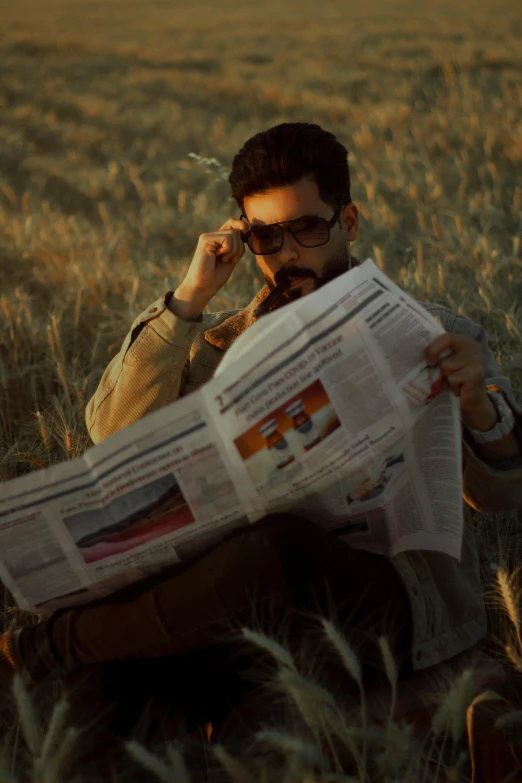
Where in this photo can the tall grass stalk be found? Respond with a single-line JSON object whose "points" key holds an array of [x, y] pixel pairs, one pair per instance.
{"points": [[353, 667], [152, 762], [29, 719], [237, 772]]}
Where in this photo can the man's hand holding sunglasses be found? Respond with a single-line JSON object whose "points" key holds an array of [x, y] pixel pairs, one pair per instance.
{"points": [[217, 254]]}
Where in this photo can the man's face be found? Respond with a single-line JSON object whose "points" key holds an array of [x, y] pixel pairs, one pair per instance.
{"points": [[307, 267]]}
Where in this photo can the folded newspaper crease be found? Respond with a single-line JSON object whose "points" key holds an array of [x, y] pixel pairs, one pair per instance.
{"points": [[325, 407]]}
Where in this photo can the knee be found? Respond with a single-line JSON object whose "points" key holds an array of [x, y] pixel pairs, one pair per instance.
{"points": [[283, 531], [287, 546], [292, 540]]}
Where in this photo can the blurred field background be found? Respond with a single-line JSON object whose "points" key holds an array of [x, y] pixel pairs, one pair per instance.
{"points": [[118, 124], [100, 205]]}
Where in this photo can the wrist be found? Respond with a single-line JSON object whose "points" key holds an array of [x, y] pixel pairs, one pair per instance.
{"points": [[483, 417], [187, 303], [500, 441]]}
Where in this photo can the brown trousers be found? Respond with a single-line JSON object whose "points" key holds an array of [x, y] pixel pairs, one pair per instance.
{"points": [[168, 652]]}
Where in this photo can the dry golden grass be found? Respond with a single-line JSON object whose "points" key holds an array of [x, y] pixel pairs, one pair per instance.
{"points": [[100, 205], [101, 105]]}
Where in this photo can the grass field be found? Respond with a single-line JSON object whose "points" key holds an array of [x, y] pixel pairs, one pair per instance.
{"points": [[101, 207], [101, 105]]}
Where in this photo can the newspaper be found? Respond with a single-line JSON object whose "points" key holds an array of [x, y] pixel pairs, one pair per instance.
{"points": [[325, 408]]}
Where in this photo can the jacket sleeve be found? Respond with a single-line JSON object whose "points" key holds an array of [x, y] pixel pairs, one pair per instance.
{"points": [[493, 486], [150, 370]]}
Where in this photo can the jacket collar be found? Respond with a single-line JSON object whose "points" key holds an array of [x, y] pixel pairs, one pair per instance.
{"points": [[223, 335]]}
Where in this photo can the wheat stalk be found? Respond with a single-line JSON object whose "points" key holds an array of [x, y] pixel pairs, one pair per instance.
{"points": [[290, 744], [28, 718], [452, 711], [235, 769], [54, 731], [353, 666], [278, 652], [150, 761], [390, 669], [510, 602]]}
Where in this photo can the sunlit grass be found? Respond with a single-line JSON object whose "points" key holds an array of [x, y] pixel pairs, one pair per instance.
{"points": [[117, 131]]}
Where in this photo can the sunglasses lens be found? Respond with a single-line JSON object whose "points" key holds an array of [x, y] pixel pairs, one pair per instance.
{"points": [[265, 241], [311, 232]]}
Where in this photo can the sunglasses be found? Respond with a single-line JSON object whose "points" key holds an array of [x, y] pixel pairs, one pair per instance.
{"points": [[308, 231]]}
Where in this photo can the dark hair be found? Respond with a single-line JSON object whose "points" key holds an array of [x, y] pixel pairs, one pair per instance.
{"points": [[285, 154]]}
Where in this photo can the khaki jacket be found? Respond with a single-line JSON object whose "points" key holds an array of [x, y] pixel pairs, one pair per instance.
{"points": [[163, 358]]}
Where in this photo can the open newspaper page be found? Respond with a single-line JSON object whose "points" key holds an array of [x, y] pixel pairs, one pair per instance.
{"points": [[331, 412], [137, 502]]}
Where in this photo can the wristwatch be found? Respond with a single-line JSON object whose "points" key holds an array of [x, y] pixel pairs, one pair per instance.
{"points": [[503, 427]]}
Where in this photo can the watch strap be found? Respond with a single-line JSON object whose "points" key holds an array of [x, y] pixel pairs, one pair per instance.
{"points": [[503, 427]]}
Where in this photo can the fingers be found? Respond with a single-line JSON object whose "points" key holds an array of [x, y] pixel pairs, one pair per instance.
{"points": [[232, 247], [227, 246], [470, 371], [235, 223], [451, 350], [444, 342], [453, 363], [465, 382], [235, 248], [461, 363]]}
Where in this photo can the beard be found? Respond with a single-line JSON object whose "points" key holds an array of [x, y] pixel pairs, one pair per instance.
{"points": [[339, 262]]}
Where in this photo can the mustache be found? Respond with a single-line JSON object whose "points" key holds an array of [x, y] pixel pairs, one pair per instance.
{"points": [[285, 273]]}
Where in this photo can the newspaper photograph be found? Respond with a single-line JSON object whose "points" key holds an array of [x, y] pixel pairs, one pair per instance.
{"points": [[324, 408], [287, 432], [130, 506]]}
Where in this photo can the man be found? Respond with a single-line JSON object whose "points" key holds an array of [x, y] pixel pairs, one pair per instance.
{"points": [[292, 185]]}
